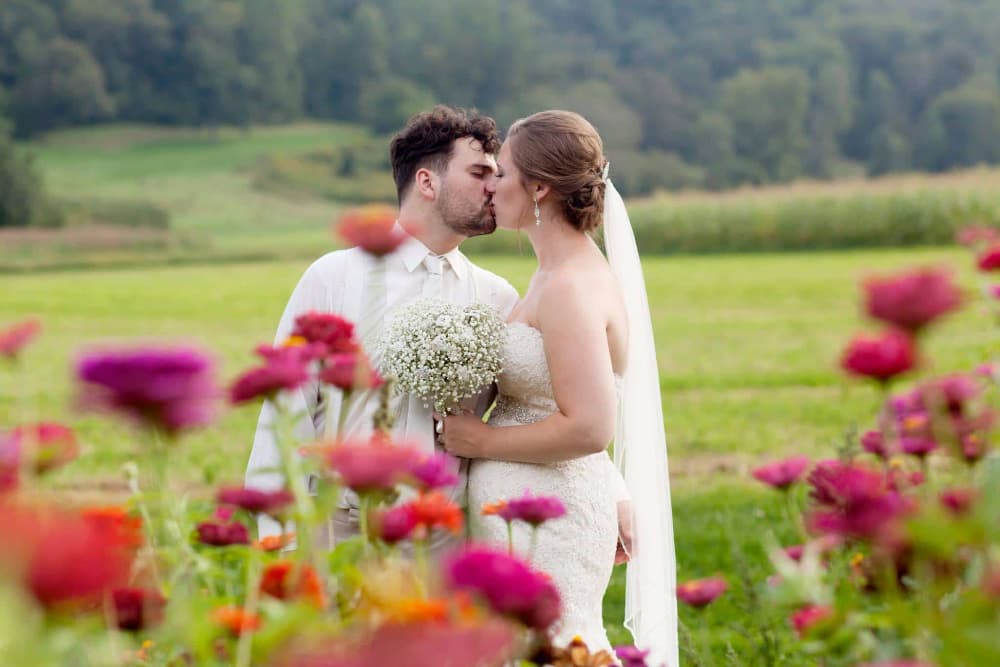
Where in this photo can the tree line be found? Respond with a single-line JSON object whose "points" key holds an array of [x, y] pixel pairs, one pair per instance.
{"points": [[686, 93]]}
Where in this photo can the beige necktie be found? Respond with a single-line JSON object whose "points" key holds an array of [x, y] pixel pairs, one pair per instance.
{"points": [[433, 284]]}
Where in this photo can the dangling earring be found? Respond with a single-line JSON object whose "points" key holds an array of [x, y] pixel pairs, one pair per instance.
{"points": [[538, 214]]}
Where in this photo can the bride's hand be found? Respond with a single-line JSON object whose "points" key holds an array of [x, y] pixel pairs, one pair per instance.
{"points": [[462, 435], [623, 554]]}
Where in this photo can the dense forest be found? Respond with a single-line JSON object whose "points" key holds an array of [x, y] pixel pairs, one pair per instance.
{"points": [[687, 93]]}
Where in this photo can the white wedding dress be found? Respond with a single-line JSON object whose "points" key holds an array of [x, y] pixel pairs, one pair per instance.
{"points": [[578, 549]]}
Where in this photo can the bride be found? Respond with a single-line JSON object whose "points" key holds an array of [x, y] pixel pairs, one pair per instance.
{"points": [[579, 369]]}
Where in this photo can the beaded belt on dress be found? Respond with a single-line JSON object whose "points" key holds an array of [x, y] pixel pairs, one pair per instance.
{"points": [[511, 408]]}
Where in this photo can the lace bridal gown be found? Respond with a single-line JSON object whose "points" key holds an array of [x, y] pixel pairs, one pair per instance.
{"points": [[578, 549]]}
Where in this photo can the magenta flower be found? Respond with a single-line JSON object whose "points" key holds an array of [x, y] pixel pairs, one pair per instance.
{"points": [[852, 500], [435, 471], [285, 368], [701, 592], [170, 389], [913, 299], [989, 260], [795, 551], [218, 534], [371, 466], [255, 500], [137, 608], [950, 393], [395, 524], [809, 616], [333, 331], [958, 501], [349, 371], [534, 510], [994, 291], [873, 442], [879, 357], [782, 474], [508, 584], [17, 336], [630, 656]]}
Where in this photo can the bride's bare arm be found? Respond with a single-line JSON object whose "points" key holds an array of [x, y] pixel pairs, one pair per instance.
{"points": [[576, 350]]}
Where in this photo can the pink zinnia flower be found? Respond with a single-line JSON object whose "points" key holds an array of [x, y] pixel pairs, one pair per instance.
{"points": [[852, 500], [435, 471], [137, 608], [795, 551], [810, 616], [395, 524], [371, 228], [912, 299], [285, 368], [219, 534], [879, 357], [14, 338], [371, 466], [349, 371], [170, 389], [333, 331], [630, 656], [782, 474], [509, 585], [958, 501], [974, 235], [255, 500], [701, 592], [47, 445], [873, 442], [534, 510], [989, 260]]}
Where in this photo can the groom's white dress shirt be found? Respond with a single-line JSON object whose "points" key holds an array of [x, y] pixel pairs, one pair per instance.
{"points": [[341, 282]]}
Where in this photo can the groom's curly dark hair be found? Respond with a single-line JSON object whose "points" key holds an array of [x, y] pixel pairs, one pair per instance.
{"points": [[428, 140]]}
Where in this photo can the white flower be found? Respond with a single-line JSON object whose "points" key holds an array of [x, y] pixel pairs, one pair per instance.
{"points": [[441, 352]]}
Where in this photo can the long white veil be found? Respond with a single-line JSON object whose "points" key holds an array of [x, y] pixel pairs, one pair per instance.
{"points": [[641, 454]]}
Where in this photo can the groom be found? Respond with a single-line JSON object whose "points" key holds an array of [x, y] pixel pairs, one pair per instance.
{"points": [[441, 163]]}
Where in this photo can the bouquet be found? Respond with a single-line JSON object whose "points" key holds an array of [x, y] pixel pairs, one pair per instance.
{"points": [[441, 352]]}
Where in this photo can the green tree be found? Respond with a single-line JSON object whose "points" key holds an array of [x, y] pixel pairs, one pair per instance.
{"points": [[23, 200], [962, 128]]}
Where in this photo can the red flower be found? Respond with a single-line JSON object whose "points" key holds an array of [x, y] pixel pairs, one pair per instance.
{"points": [[137, 608], [371, 228], [809, 617], [235, 619], [285, 368], [509, 585], [989, 260], [913, 299], [435, 510], [371, 466], [218, 534], [349, 371], [15, 337], [115, 525], [254, 500], [782, 474], [59, 557], [286, 580], [48, 445], [958, 501], [879, 357], [701, 592], [333, 331]]}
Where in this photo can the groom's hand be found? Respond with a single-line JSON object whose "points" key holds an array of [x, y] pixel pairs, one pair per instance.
{"points": [[462, 435]]}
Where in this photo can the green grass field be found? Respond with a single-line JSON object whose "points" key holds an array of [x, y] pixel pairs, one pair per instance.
{"points": [[747, 352]]}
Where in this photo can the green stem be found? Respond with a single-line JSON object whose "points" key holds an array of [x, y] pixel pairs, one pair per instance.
{"points": [[305, 514], [510, 538], [243, 648]]}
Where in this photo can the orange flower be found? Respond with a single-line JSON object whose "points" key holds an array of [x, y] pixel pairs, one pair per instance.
{"points": [[371, 228], [274, 542], [117, 525], [283, 580], [435, 510], [236, 619], [494, 509], [413, 610]]}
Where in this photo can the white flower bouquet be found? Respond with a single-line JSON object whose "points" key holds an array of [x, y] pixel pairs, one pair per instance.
{"points": [[441, 352]]}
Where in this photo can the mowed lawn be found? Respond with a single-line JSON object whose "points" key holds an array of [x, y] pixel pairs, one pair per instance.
{"points": [[747, 351]]}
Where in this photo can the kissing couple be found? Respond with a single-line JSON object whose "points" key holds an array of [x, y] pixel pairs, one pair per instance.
{"points": [[579, 363]]}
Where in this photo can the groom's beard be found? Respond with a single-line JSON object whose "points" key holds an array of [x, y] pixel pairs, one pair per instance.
{"points": [[465, 218]]}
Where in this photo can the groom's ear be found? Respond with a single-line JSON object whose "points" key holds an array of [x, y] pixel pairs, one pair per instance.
{"points": [[428, 183]]}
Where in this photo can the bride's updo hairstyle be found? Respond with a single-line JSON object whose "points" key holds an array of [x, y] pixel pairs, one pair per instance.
{"points": [[562, 150]]}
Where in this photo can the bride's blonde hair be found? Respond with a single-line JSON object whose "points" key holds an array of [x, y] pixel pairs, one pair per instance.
{"points": [[564, 151]]}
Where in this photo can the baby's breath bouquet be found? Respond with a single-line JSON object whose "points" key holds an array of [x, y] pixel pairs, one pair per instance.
{"points": [[441, 352]]}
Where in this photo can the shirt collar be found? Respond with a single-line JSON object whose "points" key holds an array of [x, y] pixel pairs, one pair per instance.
{"points": [[412, 253]]}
